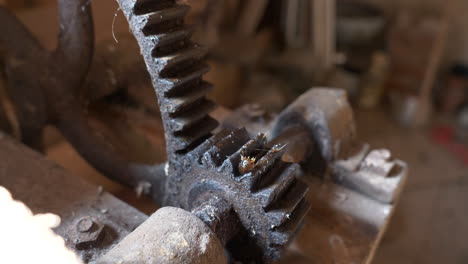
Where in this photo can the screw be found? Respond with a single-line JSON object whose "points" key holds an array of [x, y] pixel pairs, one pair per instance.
{"points": [[84, 225]]}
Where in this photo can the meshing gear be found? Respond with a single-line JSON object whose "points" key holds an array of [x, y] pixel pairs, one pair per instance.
{"points": [[267, 198]]}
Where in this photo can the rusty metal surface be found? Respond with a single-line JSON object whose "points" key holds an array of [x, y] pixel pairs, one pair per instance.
{"points": [[45, 187]]}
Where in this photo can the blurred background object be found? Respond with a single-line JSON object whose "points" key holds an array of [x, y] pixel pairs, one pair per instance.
{"points": [[455, 93], [416, 47]]}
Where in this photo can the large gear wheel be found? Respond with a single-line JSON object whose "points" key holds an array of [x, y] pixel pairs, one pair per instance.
{"points": [[268, 199]]}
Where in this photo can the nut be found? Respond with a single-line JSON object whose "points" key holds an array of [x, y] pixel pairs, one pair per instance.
{"points": [[88, 233]]}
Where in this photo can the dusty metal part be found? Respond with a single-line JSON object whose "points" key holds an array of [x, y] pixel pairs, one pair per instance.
{"points": [[47, 188], [171, 235], [327, 115], [267, 198], [220, 216], [351, 206], [176, 66], [298, 143], [88, 233], [372, 173], [84, 225]]}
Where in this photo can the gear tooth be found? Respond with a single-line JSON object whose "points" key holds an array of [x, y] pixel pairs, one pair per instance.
{"points": [[177, 64], [207, 144], [195, 135], [188, 101], [169, 43], [186, 81], [248, 147], [285, 233], [280, 212], [265, 164], [254, 147], [209, 158], [219, 136], [225, 147], [193, 115], [163, 21], [278, 182], [231, 164], [283, 238], [147, 6], [156, 13]]}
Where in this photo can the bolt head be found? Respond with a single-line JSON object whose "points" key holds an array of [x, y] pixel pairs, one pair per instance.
{"points": [[87, 233], [84, 225]]}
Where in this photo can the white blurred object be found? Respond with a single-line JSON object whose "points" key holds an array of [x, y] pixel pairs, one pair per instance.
{"points": [[28, 238]]}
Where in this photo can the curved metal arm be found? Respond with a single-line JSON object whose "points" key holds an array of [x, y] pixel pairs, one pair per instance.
{"points": [[75, 45], [21, 53], [100, 154]]}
